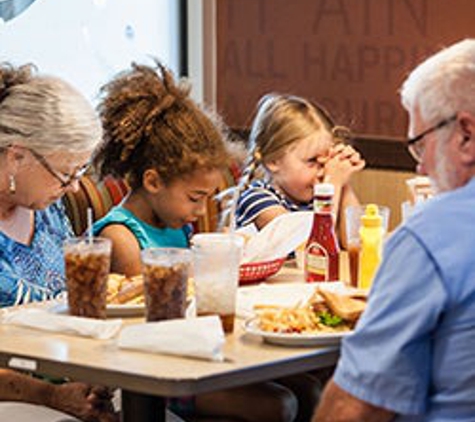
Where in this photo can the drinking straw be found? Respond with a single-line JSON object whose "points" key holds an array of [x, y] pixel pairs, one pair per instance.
{"points": [[89, 225]]}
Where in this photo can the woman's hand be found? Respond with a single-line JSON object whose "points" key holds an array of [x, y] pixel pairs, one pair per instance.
{"points": [[88, 403], [340, 164]]}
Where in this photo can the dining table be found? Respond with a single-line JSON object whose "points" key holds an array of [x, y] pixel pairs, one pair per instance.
{"points": [[146, 380]]}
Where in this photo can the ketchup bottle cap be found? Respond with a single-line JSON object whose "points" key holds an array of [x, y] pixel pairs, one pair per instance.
{"points": [[324, 189]]}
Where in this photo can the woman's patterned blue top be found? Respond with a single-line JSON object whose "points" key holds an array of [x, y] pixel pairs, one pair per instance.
{"points": [[35, 272]]}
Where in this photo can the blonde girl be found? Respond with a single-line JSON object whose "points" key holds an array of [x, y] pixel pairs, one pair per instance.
{"points": [[295, 144]]}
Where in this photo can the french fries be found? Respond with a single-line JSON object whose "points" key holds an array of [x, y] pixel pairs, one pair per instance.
{"points": [[122, 290]]}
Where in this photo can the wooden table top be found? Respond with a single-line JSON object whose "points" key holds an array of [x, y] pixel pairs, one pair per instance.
{"points": [[247, 359]]}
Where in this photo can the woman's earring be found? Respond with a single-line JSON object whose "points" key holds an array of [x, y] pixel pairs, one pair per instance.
{"points": [[11, 184]]}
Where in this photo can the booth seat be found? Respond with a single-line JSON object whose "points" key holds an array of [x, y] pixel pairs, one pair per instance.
{"points": [[25, 412]]}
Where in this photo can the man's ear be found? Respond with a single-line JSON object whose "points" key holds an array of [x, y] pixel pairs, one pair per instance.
{"points": [[467, 141], [151, 181]]}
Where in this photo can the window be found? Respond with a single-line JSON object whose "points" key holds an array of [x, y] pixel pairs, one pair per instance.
{"points": [[87, 41]]}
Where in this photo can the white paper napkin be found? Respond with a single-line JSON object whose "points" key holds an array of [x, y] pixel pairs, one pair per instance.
{"points": [[200, 337], [278, 238], [47, 321]]}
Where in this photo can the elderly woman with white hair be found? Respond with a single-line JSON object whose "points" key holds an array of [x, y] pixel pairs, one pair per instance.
{"points": [[48, 132]]}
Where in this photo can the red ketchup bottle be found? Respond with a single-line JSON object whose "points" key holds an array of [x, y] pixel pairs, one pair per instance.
{"points": [[321, 251]]}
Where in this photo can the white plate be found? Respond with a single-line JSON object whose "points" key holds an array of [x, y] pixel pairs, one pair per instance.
{"points": [[122, 311], [126, 310], [295, 339]]}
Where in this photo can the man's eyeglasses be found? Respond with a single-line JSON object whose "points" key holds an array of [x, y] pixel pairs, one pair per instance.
{"points": [[63, 180], [416, 148]]}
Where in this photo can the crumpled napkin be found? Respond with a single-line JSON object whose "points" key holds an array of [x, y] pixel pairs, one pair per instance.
{"points": [[278, 238], [44, 320], [200, 337]]}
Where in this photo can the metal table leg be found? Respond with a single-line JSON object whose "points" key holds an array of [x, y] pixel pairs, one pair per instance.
{"points": [[137, 407]]}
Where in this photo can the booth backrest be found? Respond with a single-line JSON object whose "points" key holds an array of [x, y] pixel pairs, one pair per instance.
{"points": [[102, 195]]}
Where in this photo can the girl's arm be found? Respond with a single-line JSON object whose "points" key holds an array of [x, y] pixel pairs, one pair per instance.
{"points": [[341, 164], [125, 258], [259, 206], [265, 217]]}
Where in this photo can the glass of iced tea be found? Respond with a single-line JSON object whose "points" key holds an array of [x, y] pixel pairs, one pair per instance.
{"points": [[165, 275], [216, 260], [87, 264], [353, 215]]}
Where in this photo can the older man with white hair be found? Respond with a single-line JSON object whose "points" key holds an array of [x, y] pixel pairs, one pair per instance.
{"points": [[412, 356]]}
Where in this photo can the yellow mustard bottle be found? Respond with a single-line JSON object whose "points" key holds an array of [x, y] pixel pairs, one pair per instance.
{"points": [[371, 235]]}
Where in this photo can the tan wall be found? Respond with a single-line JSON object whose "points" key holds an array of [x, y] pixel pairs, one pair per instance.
{"points": [[349, 55], [383, 187]]}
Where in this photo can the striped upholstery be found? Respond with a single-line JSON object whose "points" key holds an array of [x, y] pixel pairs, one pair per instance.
{"points": [[100, 196]]}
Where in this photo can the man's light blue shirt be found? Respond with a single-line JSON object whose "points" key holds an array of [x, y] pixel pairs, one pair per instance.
{"points": [[413, 351]]}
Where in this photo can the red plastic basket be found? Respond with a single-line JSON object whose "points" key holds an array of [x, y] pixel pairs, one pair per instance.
{"points": [[258, 271]]}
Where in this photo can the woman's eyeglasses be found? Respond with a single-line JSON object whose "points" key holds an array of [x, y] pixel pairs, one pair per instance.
{"points": [[63, 180], [416, 148]]}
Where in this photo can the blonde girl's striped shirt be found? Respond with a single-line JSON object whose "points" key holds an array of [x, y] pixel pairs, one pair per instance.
{"points": [[260, 196]]}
